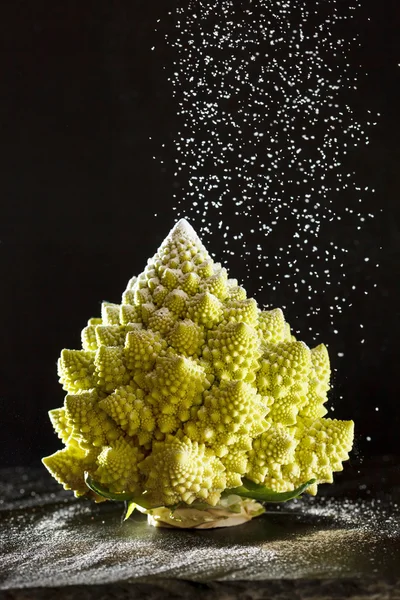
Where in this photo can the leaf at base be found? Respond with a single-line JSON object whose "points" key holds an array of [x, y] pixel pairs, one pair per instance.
{"points": [[249, 489], [101, 491]]}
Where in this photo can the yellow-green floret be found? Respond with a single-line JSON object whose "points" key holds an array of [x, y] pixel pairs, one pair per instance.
{"points": [[187, 387]]}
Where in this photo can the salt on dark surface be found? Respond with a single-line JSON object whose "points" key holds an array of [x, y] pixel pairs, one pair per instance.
{"points": [[50, 539]]}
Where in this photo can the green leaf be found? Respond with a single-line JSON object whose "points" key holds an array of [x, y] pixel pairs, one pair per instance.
{"points": [[251, 485], [101, 491], [249, 489], [141, 500], [129, 510]]}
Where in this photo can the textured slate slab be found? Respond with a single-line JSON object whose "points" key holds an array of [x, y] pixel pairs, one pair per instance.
{"points": [[312, 548]]}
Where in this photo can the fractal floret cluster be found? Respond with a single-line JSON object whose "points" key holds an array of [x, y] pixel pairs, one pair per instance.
{"points": [[187, 388]]}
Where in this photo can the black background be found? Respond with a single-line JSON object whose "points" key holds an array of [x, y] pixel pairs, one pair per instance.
{"points": [[80, 95]]}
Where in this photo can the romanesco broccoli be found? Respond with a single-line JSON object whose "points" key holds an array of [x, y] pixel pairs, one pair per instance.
{"points": [[187, 390]]}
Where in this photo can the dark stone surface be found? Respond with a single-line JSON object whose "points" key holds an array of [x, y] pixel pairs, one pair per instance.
{"points": [[329, 589], [54, 546]]}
